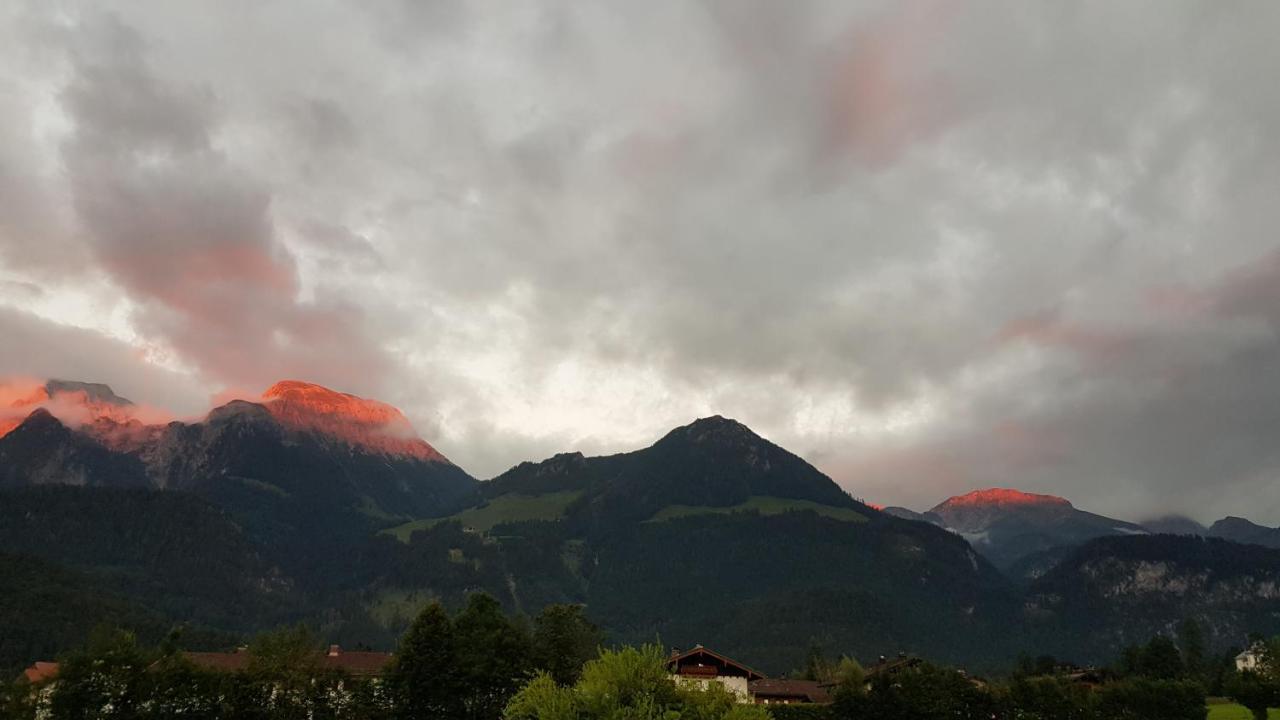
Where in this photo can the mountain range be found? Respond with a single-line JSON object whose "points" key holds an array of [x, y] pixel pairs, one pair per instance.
{"points": [[1025, 533], [306, 504]]}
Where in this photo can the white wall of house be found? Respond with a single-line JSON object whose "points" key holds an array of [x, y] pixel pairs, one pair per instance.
{"points": [[1249, 660], [736, 685]]}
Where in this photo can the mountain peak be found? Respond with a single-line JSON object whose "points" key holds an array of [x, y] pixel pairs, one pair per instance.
{"points": [[93, 392], [1002, 497], [716, 430], [41, 418], [73, 402], [358, 421]]}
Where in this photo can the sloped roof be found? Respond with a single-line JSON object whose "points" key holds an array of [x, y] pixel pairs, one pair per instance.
{"points": [[219, 661], [354, 663], [40, 671], [698, 650], [358, 663], [811, 690]]}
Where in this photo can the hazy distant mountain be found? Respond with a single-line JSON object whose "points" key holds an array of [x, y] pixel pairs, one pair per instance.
{"points": [[908, 514], [1175, 525], [1006, 525], [1240, 530]]}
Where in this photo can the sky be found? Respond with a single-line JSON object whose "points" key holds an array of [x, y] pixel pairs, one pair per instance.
{"points": [[929, 246]]}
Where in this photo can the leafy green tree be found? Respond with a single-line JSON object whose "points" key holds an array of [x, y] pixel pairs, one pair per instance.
{"points": [[1256, 691], [1038, 666], [1149, 699], [1191, 642], [563, 641], [542, 699], [847, 678], [627, 684], [816, 664], [424, 681], [493, 655], [629, 680], [180, 689], [105, 681], [1161, 659], [1046, 698], [926, 692]]}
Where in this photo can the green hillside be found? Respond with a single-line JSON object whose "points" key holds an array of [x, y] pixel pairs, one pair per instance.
{"points": [[510, 508], [762, 504]]}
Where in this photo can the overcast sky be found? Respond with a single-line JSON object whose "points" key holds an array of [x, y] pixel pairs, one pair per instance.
{"points": [[928, 246]]}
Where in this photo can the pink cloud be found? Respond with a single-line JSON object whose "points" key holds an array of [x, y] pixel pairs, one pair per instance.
{"points": [[881, 93]]}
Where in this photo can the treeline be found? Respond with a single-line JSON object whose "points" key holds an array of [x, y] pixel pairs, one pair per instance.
{"points": [[465, 666], [481, 664]]}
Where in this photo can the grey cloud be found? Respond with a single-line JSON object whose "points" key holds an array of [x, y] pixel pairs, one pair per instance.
{"points": [[36, 348], [188, 234], [930, 246]]}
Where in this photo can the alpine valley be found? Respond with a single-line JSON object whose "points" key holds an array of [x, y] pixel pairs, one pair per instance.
{"points": [[310, 505]]}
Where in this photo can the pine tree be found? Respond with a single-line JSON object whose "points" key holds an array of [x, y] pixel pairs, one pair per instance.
{"points": [[493, 656], [424, 679]]}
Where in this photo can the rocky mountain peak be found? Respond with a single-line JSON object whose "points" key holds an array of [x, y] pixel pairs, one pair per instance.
{"points": [[360, 422], [92, 392], [76, 403], [715, 431], [1000, 497]]}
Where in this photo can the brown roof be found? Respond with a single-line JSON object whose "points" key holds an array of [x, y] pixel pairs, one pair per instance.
{"points": [[40, 671], [219, 661], [358, 663], [699, 652], [353, 663], [804, 690]]}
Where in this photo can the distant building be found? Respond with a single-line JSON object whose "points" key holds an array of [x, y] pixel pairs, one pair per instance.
{"points": [[702, 666], [888, 668], [39, 672], [1252, 659], [39, 679]]}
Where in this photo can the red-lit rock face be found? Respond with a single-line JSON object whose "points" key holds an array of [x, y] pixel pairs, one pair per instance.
{"points": [[94, 409], [17, 399], [977, 511], [367, 424], [1003, 497]]}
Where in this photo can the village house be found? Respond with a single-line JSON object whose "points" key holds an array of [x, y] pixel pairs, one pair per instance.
{"points": [[1252, 659], [701, 666]]}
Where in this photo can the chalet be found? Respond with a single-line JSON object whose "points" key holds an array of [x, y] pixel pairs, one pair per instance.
{"points": [[1252, 659], [703, 666]]}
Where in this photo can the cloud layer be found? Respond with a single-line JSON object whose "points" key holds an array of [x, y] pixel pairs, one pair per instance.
{"points": [[929, 247]]}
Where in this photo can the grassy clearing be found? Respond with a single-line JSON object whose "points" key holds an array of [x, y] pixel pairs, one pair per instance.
{"points": [[1232, 711], [763, 504], [507, 508]]}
